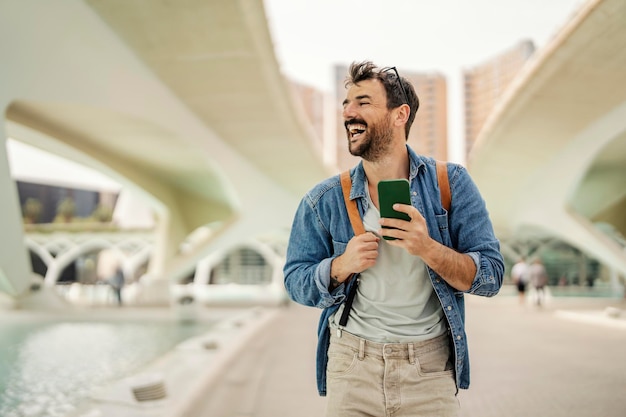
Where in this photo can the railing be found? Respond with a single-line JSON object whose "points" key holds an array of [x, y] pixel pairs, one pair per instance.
{"points": [[69, 261]]}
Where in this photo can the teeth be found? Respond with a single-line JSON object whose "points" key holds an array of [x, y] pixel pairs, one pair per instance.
{"points": [[356, 128]]}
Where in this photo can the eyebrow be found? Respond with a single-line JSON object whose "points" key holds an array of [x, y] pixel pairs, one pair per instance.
{"points": [[361, 97]]}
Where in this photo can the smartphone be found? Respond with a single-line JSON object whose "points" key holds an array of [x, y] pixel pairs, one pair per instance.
{"points": [[391, 192]]}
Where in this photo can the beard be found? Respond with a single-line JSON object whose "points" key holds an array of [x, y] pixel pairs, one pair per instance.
{"points": [[376, 141]]}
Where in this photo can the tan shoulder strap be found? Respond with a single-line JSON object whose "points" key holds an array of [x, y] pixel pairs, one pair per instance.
{"points": [[353, 211], [357, 226], [444, 184]]}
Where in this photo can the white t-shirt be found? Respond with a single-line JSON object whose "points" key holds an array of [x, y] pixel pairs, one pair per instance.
{"points": [[395, 300], [519, 272]]}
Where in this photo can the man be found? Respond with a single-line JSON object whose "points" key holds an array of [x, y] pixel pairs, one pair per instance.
{"points": [[538, 277], [403, 350], [109, 271], [519, 274]]}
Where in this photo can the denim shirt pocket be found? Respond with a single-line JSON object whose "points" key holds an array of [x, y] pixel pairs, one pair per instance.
{"points": [[444, 230], [338, 248]]}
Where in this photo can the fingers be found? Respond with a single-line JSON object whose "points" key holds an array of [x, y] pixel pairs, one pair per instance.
{"points": [[402, 229], [393, 233], [367, 242], [363, 251], [408, 210]]}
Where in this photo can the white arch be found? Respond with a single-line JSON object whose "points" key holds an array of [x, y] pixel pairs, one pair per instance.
{"points": [[62, 261], [40, 250], [61, 242], [204, 267]]}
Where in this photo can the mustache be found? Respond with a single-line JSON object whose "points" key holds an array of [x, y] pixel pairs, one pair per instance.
{"points": [[355, 121]]}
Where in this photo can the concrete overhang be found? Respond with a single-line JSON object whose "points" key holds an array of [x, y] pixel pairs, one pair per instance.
{"points": [[183, 102], [218, 58], [551, 159], [136, 153]]}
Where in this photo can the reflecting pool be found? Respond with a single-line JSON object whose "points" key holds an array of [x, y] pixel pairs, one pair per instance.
{"points": [[46, 369]]}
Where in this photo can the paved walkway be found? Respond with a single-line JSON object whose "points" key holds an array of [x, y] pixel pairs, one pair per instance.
{"points": [[275, 375], [526, 362], [536, 362]]}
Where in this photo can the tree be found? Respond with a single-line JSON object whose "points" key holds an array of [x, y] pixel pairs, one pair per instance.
{"points": [[102, 214], [65, 210], [31, 210]]}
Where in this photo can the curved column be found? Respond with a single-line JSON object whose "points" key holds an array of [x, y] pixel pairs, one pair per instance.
{"points": [[546, 201], [15, 267]]}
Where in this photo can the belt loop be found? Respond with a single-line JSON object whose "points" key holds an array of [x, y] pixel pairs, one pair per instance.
{"points": [[411, 354], [361, 349]]}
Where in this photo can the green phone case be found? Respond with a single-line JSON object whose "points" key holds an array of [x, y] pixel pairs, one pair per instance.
{"points": [[391, 192]]}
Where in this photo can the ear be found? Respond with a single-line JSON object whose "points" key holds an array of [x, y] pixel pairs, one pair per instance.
{"points": [[402, 114]]}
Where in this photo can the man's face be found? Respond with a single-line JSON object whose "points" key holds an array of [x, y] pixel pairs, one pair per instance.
{"points": [[367, 120]]}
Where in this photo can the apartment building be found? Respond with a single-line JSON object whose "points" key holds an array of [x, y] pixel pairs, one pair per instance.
{"points": [[485, 84]]}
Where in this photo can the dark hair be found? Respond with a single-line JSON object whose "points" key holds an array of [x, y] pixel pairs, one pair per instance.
{"points": [[367, 70]]}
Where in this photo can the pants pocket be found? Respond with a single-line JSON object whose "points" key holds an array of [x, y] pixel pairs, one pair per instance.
{"points": [[341, 360], [435, 362]]}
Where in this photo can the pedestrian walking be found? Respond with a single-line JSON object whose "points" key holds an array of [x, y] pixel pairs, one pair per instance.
{"points": [[538, 279], [110, 272], [519, 275]]}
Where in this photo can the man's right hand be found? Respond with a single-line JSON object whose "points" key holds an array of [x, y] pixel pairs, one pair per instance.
{"points": [[361, 253]]}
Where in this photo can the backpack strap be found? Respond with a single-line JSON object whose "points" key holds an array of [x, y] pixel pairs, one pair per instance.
{"points": [[358, 228], [444, 184], [353, 211]]}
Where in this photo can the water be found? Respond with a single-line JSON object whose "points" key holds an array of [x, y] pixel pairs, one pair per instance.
{"points": [[47, 369]]}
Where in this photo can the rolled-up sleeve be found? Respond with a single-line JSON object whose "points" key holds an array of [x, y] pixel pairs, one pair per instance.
{"points": [[308, 261], [487, 281], [472, 233]]}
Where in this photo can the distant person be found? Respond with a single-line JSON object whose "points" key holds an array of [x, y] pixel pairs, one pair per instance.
{"points": [[110, 272], [117, 283], [399, 349], [519, 274], [538, 277]]}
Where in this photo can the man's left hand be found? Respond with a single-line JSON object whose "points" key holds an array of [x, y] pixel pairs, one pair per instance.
{"points": [[411, 235]]}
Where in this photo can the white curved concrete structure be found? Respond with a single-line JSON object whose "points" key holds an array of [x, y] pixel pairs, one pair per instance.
{"points": [[183, 104], [551, 160]]}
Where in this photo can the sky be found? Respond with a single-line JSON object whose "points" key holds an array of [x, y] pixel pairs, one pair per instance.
{"points": [[445, 36]]}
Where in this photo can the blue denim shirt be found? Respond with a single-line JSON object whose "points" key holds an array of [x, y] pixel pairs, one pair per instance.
{"points": [[321, 231]]}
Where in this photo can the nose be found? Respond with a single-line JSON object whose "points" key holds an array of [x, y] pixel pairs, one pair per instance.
{"points": [[349, 111]]}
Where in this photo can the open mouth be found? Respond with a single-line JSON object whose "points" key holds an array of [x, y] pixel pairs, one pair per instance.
{"points": [[355, 130]]}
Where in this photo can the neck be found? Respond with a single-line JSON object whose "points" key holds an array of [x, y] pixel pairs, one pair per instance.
{"points": [[393, 165]]}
